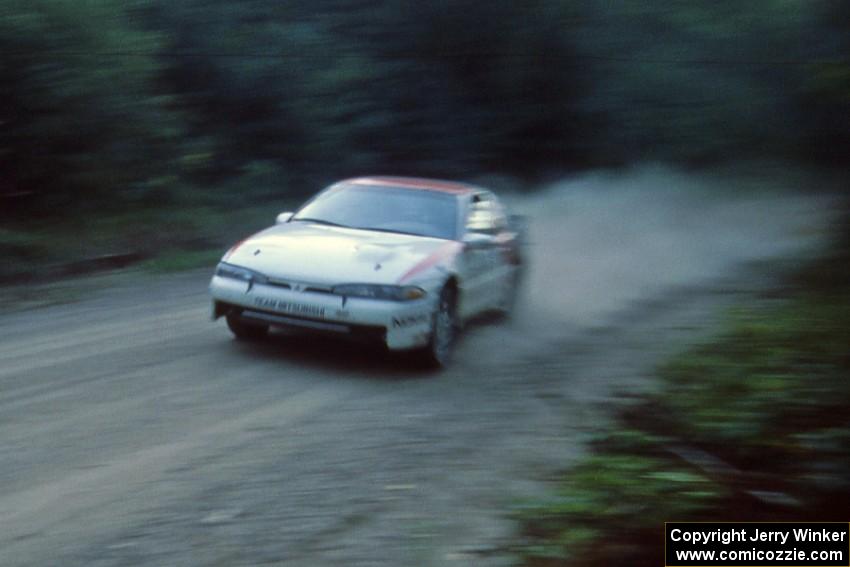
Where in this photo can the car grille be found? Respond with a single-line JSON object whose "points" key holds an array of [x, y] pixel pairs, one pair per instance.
{"points": [[314, 289], [278, 283], [298, 286], [365, 333]]}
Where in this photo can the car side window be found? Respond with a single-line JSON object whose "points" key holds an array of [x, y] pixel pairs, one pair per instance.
{"points": [[485, 214]]}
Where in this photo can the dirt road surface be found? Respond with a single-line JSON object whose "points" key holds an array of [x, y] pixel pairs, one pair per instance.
{"points": [[136, 432]]}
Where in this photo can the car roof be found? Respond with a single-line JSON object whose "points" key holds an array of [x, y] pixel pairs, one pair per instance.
{"points": [[416, 183]]}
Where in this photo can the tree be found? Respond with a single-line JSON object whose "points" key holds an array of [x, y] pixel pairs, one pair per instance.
{"points": [[82, 121]]}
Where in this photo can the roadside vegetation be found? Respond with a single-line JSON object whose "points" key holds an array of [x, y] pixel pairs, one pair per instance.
{"points": [[750, 425]]}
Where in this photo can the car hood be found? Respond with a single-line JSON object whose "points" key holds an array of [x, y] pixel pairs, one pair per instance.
{"points": [[313, 253]]}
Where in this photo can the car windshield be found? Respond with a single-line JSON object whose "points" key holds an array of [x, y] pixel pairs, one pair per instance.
{"points": [[389, 209]]}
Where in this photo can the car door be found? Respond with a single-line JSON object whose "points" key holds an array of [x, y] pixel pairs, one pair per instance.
{"points": [[506, 263], [481, 254]]}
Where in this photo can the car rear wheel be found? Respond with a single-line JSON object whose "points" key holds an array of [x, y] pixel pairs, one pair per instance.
{"points": [[245, 331], [438, 352]]}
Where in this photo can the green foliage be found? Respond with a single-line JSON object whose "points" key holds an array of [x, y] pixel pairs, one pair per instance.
{"points": [[696, 81], [177, 260], [453, 87], [81, 118], [618, 495], [115, 104], [438, 87], [771, 377]]}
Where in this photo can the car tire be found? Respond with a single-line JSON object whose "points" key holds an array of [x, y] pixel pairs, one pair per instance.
{"points": [[245, 331], [444, 330]]}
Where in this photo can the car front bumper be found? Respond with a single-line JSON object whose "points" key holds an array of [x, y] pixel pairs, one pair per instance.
{"points": [[400, 325]]}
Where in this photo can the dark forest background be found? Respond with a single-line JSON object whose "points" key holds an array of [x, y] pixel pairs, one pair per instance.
{"points": [[108, 104]]}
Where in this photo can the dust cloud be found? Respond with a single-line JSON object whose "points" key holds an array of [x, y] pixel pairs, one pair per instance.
{"points": [[601, 240]]}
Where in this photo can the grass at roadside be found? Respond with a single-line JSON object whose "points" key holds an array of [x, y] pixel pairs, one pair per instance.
{"points": [[64, 260], [161, 239], [751, 425], [180, 260]]}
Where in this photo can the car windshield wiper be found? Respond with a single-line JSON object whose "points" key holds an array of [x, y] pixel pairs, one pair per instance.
{"points": [[320, 221], [393, 230]]}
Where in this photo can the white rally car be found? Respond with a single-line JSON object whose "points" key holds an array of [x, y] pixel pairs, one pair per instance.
{"points": [[400, 261]]}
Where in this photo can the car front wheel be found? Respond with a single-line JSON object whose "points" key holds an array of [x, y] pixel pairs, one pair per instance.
{"points": [[245, 331], [438, 352]]}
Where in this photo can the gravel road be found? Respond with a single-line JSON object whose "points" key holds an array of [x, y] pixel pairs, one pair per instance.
{"points": [[136, 432]]}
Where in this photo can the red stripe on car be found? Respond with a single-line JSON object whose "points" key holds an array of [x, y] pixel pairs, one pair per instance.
{"points": [[433, 259], [233, 248], [413, 183]]}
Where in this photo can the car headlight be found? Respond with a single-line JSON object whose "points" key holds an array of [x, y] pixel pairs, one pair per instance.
{"points": [[226, 270], [373, 291]]}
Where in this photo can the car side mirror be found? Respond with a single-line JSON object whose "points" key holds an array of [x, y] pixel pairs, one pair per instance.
{"points": [[283, 217], [474, 240]]}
